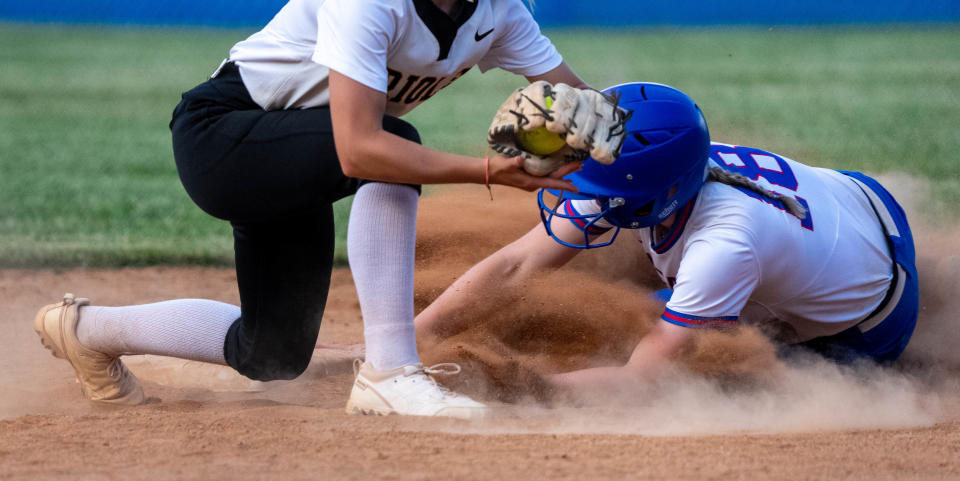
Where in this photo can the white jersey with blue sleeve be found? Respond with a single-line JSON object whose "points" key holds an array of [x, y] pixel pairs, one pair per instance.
{"points": [[731, 251], [408, 49]]}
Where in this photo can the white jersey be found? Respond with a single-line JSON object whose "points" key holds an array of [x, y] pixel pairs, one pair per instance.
{"points": [[732, 254], [407, 49]]}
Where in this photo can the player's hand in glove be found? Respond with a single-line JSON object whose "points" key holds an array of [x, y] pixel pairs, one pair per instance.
{"points": [[590, 123], [511, 171]]}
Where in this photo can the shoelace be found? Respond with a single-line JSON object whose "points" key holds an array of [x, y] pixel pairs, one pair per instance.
{"points": [[444, 368]]}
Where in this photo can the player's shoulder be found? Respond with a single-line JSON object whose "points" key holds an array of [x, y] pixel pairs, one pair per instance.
{"points": [[722, 211], [364, 8], [509, 10], [738, 156], [723, 204], [758, 163], [366, 4], [507, 3]]}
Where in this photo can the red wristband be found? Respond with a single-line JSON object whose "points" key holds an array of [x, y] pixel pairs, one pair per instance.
{"points": [[486, 179]]}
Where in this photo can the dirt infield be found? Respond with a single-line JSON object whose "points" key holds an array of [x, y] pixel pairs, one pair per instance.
{"points": [[753, 418]]}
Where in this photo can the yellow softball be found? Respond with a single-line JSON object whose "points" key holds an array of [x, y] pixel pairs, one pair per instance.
{"points": [[540, 141]]}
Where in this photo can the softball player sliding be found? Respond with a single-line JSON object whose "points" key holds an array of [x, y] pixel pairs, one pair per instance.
{"points": [[823, 259], [301, 114]]}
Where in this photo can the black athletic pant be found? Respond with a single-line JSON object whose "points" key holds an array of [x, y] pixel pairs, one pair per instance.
{"points": [[274, 175]]}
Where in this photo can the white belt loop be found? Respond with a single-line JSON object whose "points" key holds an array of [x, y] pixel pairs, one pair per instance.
{"points": [[868, 324]]}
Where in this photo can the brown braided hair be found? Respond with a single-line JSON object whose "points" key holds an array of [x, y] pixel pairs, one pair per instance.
{"points": [[724, 176]]}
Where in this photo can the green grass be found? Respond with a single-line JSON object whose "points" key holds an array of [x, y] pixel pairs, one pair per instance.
{"points": [[86, 169]]}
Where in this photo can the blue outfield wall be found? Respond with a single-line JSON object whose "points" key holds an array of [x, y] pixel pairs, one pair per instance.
{"points": [[547, 12], [743, 12], [143, 12]]}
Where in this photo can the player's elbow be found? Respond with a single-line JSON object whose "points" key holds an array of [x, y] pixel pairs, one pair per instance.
{"points": [[665, 343], [350, 167], [509, 268], [674, 342], [362, 154], [514, 262], [353, 160]]}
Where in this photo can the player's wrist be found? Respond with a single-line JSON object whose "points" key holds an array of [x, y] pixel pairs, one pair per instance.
{"points": [[504, 170]]}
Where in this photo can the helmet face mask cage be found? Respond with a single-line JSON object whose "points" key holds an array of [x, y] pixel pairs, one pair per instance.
{"points": [[547, 214], [662, 164]]}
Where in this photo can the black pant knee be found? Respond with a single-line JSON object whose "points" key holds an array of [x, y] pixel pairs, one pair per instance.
{"points": [[283, 274], [276, 363]]}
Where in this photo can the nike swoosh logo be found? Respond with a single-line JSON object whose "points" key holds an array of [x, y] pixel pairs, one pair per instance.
{"points": [[480, 36]]}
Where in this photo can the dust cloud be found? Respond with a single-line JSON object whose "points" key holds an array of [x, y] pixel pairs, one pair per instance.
{"points": [[592, 312], [937, 339]]}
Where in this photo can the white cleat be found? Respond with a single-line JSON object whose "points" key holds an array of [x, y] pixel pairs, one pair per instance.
{"points": [[411, 391]]}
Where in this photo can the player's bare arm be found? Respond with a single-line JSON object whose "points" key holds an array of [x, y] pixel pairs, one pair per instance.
{"points": [[502, 274], [662, 345], [367, 151], [562, 74]]}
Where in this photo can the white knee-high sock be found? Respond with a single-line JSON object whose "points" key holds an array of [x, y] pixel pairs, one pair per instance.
{"points": [[381, 240], [193, 329]]}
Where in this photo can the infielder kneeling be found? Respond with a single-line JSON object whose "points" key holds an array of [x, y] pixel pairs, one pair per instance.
{"points": [[738, 234], [306, 112]]}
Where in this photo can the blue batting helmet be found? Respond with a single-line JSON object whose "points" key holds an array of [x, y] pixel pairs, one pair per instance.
{"points": [[662, 163]]}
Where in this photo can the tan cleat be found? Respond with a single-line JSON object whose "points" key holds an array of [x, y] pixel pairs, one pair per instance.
{"points": [[102, 378]]}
